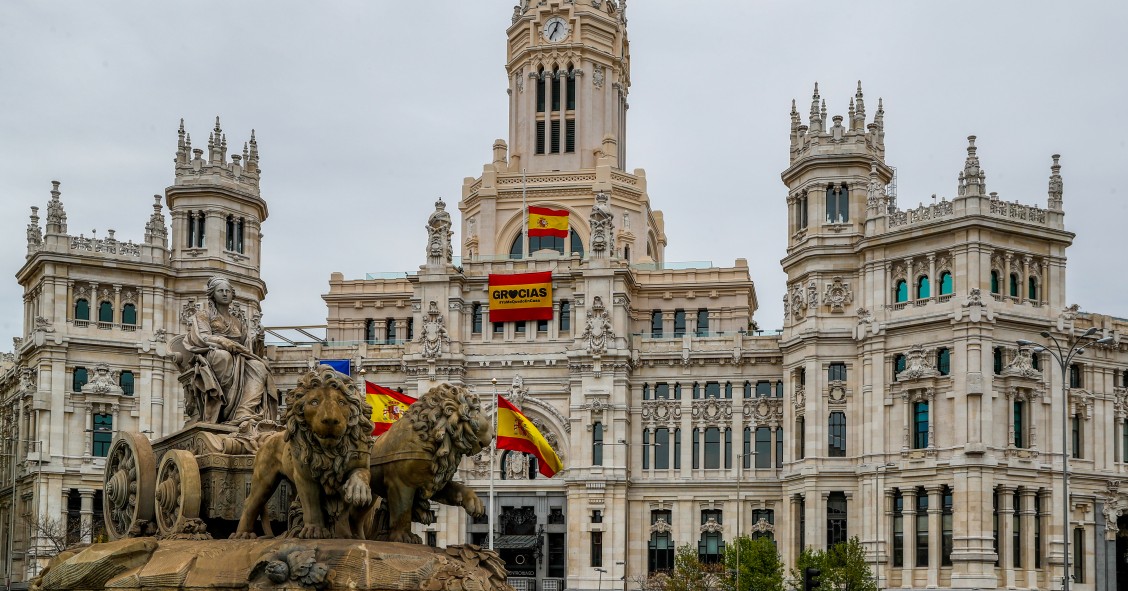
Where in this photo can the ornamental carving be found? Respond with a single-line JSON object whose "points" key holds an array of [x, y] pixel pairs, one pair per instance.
{"points": [[661, 411], [27, 380], [1081, 403], [517, 391], [433, 333], [838, 295], [1115, 505], [764, 411], [799, 399], [1120, 402], [836, 393], [661, 526], [762, 526], [1022, 366], [597, 76], [598, 332], [812, 295], [104, 381], [918, 364], [974, 298], [864, 316], [711, 411], [43, 324], [712, 527], [602, 227]]}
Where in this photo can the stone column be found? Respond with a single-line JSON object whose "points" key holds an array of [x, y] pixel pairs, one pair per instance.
{"points": [[553, 325], [933, 287], [1029, 557], [1022, 289], [908, 512], [795, 548], [87, 514], [885, 571], [1006, 533], [935, 533], [88, 440], [115, 317], [1005, 279]]}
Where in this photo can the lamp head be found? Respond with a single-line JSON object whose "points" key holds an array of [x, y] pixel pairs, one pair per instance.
{"points": [[1044, 334], [1024, 343], [1038, 349], [1092, 331], [1105, 341]]}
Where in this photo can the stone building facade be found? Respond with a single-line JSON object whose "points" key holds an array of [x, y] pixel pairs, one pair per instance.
{"points": [[894, 405]]}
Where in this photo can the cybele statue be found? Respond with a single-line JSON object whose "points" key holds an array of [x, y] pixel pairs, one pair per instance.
{"points": [[198, 509]]}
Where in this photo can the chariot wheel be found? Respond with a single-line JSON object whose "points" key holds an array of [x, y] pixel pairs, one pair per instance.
{"points": [[131, 470], [178, 490]]}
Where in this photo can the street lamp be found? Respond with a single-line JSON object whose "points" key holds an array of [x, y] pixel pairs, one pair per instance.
{"points": [[739, 505], [1063, 353], [600, 571], [879, 501]]}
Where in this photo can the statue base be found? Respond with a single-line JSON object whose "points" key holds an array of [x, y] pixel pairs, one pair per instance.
{"points": [[278, 563]]}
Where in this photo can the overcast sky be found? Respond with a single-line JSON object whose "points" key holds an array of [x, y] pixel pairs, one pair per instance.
{"points": [[365, 112]]}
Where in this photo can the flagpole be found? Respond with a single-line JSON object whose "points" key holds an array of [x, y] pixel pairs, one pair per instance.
{"points": [[525, 216], [493, 454]]}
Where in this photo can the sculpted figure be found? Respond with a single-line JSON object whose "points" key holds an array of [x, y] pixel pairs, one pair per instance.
{"points": [[414, 461], [231, 383], [324, 452]]}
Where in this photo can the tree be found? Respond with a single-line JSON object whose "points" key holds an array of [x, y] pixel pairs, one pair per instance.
{"points": [[843, 567], [758, 563], [688, 573]]}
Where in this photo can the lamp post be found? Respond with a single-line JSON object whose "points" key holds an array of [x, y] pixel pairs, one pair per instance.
{"points": [[1063, 352], [739, 506], [879, 506], [600, 571]]}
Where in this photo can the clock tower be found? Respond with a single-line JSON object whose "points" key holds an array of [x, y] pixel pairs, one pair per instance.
{"points": [[569, 71]]}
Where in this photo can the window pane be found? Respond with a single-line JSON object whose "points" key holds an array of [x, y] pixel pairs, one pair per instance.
{"points": [[902, 291], [837, 441], [662, 449], [712, 448], [922, 288], [105, 312], [945, 283], [679, 323], [763, 447], [656, 323]]}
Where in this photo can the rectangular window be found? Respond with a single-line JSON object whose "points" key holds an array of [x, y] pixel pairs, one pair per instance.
{"points": [[662, 449], [1016, 528], [519, 327], [779, 389], [597, 444], [476, 320], [728, 390], [557, 550], [661, 391], [779, 447], [920, 425], [565, 316], [499, 328], [103, 434], [410, 329], [1019, 435], [571, 91], [712, 389], [646, 449], [126, 381], [763, 447], [596, 516], [540, 137], [898, 529], [922, 528], [656, 324], [554, 87], [946, 518], [703, 322], [1038, 530], [728, 449], [1077, 439], [835, 519], [696, 448], [746, 449], [555, 136], [541, 83], [801, 437], [837, 441], [542, 326], [79, 379], [1079, 555], [1074, 376], [390, 331], [660, 550], [711, 546], [995, 523], [836, 372], [433, 539], [570, 136], [802, 522], [597, 548], [712, 448], [679, 323], [763, 389], [997, 360], [677, 449]]}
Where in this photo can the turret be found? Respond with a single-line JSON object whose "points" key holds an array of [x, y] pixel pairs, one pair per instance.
{"points": [[156, 234], [56, 215], [972, 179], [34, 233]]}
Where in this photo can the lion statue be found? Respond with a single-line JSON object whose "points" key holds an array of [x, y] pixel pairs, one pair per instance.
{"points": [[324, 451], [414, 461]]}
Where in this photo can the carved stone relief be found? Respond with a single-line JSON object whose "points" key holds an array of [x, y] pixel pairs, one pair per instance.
{"points": [[838, 295]]}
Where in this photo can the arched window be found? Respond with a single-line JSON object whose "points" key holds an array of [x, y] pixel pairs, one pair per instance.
{"points": [[901, 291], [1014, 283], [627, 252], [82, 309], [126, 382], [230, 237], [922, 288], [239, 235], [129, 314], [191, 229], [944, 361], [79, 379], [201, 228], [995, 281], [1032, 289], [1036, 361], [542, 91], [747, 389], [516, 250], [898, 365], [597, 444], [105, 312], [945, 283]]}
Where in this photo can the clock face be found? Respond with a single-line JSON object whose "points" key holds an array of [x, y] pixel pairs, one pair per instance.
{"points": [[555, 29]]}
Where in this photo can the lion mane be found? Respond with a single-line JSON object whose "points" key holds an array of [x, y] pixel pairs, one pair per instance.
{"points": [[330, 464], [446, 421]]}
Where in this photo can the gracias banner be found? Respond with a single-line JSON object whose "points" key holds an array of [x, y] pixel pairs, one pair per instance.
{"points": [[524, 296]]}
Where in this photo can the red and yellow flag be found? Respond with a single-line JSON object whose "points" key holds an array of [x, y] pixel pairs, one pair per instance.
{"points": [[515, 431], [548, 222], [522, 296], [387, 406]]}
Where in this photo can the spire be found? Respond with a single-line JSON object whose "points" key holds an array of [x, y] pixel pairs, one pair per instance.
{"points": [[56, 215], [1056, 187], [860, 113], [850, 120], [815, 121], [155, 230], [217, 149], [795, 121], [973, 181], [182, 150], [879, 119], [34, 234]]}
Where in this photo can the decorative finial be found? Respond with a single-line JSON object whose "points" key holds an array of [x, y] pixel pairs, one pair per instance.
{"points": [[1056, 188]]}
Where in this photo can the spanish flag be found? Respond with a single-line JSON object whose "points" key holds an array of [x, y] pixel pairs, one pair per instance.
{"points": [[520, 296], [548, 222], [387, 406], [515, 431]]}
